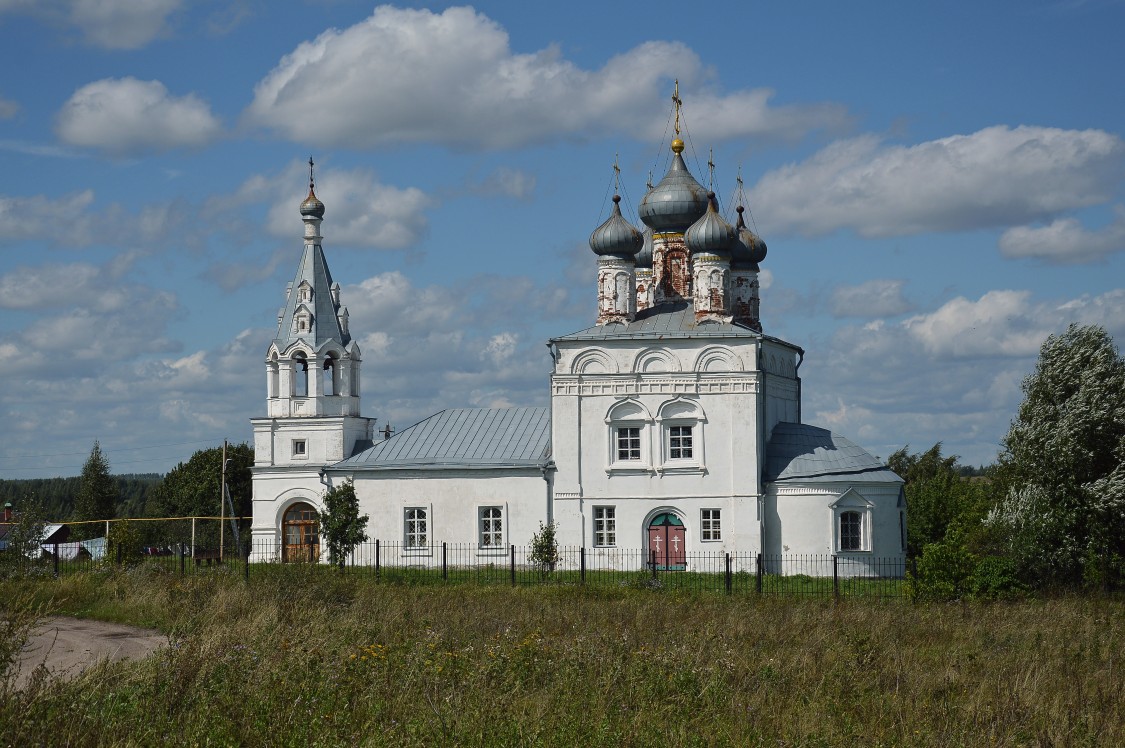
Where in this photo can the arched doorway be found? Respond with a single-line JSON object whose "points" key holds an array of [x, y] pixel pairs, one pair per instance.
{"points": [[300, 532], [667, 542]]}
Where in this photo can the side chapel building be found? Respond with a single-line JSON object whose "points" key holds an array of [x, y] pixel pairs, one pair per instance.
{"points": [[674, 423]]}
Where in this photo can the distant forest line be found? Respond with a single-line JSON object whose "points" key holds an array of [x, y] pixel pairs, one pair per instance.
{"points": [[55, 496]]}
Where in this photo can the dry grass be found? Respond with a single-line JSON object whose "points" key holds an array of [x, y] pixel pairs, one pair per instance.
{"points": [[312, 658]]}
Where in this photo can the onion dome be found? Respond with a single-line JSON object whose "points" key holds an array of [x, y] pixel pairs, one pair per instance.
{"points": [[312, 205], [616, 236], [749, 249], [678, 200], [711, 234], [644, 257]]}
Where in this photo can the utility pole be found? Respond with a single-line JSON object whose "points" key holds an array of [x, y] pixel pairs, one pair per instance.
{"points": [[222, 500]]}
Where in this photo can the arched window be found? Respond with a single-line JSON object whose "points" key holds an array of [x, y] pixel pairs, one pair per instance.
{"points": [[300, 531], [629, 437], [681, 436], [851, 535], [300, 375], [331, 376]]}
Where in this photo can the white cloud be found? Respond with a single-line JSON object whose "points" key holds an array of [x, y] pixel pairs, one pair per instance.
{"points": [[123, 116], [995, 177], [359, 210], [952, 374], [111, 24], [8, 108], [74, 221], [507, 182], [874, 298], [1065, 240], [413, 76]]}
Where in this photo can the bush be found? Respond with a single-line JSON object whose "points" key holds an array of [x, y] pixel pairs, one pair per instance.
{"points": [[544, 549], [996, 578], [944, 572]]}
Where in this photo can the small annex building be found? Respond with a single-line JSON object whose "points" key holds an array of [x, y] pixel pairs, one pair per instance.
{"points": [[674, 424]]}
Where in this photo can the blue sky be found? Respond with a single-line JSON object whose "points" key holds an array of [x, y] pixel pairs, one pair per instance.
{"points": [[940, 187]]}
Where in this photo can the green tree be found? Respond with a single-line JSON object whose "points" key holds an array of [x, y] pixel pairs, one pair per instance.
{"points": [[191, 489], [545, 548], [341, 525], [97, 493], [938, 499], [1062, 469]]}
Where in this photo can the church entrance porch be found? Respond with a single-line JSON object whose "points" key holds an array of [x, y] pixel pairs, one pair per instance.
{"points": [[300, 532], [667, 543]]}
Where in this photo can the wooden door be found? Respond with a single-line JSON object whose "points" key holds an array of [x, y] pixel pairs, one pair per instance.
{"points": [[667, 542], [300, 534]]}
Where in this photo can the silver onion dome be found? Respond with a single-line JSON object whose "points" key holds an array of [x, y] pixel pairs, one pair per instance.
{"points": [[711, 234], [749, 250], [677, 201], [616, 236]]}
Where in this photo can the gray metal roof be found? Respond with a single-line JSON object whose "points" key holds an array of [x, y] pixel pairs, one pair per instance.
{"points": [[801, 453], [672, 319], [463, 438], [325, 326]]}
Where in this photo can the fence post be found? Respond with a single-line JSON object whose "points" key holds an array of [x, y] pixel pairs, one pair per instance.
{"points": [[760, 571], [246, 571], [652, 562], [56, 560], [513, 564], [729, 580], [183, 561], [118, 553], [376, 559], [582, 563], [836, 576], [311, 550], [444, 562]]}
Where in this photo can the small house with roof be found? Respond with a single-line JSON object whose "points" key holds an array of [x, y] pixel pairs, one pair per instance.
{"points": [[674, 426]]}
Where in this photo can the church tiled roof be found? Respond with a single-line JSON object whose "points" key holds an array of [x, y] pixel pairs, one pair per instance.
{"points": [[463, 438], [801, 453]]}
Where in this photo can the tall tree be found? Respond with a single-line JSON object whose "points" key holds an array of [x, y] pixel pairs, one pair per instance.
{"points": [[1063, 464], [97, 492], [191, 489], [341, 524]]}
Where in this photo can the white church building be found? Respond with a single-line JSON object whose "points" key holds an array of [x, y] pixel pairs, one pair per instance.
{"points": [[674, 427]]}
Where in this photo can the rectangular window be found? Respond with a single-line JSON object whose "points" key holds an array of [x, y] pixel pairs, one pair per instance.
{"points": [[711, 527], [679, 443], [605, 525], [491, 527], [299, 448], [850, 539], [416, 528], [629, 443]]}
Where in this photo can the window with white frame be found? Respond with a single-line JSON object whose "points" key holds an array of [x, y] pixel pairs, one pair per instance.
{"points": [[416, 527], [605, 526], [629, 437], [681, 422], [491, 527], [680, 442], [628, 443], [851, 531], [710, 525]]}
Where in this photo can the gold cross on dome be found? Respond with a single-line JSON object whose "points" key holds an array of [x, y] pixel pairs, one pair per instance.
{"points": [[677, 103]]}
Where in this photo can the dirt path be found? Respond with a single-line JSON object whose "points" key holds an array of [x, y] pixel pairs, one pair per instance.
{"points": [[67, 646]]}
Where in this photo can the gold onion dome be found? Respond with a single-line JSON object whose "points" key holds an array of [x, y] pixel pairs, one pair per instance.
{"points": [[711, 234], [616, 236], [749, 250], [312, 205], [677, 201]]}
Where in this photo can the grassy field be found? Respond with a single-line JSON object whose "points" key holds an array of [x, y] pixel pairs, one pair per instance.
{"points": [[311, 657]]}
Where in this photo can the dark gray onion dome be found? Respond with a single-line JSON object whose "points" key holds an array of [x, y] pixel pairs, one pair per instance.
{"points": [[616, 236], [312, 205], [677, 202], [749, 250], [711, 234], [644, 257]]}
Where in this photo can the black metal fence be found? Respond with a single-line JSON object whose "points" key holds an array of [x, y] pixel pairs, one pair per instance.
{"points": [[456, 563]]}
